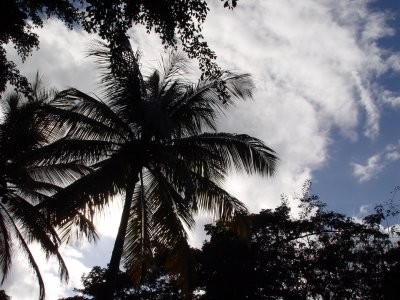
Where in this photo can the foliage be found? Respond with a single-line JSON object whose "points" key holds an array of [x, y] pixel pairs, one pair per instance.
{"points": [[318, 255], [321, 254], [17, 20], [4, 296], [155, 140], [110, 19], [24, 184], [156, 285]]}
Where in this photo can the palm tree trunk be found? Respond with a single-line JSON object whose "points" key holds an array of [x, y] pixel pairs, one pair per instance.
{"points": [[113, 268]]}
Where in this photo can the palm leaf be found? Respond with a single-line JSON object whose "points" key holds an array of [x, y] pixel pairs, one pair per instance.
{"points": [[88, 117], [138, 255], [194, 157], [121, 79], [88, 194], [77, 227], [199, 105], [241, 151], [167, 226], [5, 245], [36, 228], [56, 175], [24, 248], [178, 191], [37, 192], [213, 199], [66, 151]]}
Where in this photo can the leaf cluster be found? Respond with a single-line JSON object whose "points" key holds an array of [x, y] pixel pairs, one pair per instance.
{"points": [[17, 20], [319, 255], [110, 19], [155, 139], [66, 155], [24, 183]]}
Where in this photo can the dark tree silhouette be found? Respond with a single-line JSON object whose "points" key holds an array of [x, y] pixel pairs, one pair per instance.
{"points": [[110, 19], [4, 296], [15, 27], [157, 285], [148, 138], [24, 183], [319, 255]]}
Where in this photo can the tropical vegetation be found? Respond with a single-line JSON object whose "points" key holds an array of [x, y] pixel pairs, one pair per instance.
{"points": [[154, 139], [172, 20], [319, 254], [24, 183]]}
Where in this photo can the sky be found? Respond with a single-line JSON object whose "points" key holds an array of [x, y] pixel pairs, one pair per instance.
{"points": [[327, 99]]}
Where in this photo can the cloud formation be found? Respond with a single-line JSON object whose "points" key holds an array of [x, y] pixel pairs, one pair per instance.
{"points": [[376, 163], [368, 171], [22, 285], [314, 64]]}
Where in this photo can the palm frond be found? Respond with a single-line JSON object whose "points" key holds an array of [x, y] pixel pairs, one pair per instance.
{"points": [[88, 194], [179, 191], [76, 228], [41, 95], [153, 84], [57, 175], [167, 220], [198, 106], [169, 212], [194, 157], [121, 80], [243, 152], [19, 132], [212, 199], [36, 228], [5, 245], [87, 117], [138, 255], [67, 151], [238, 86], [24, 248], [37, 192], [200, 193], [173, 69]]}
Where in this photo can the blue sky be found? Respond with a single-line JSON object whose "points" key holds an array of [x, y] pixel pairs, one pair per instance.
{"points": [[327, 100], [335, 182]]}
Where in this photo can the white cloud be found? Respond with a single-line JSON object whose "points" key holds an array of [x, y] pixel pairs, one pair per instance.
{"points": [[314, 65], [22, 285], [376, 163], [364, 210], [393, 156], [62, 57], [370, 170], [391, 98]]}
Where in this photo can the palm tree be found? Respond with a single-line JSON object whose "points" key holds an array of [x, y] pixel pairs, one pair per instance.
{"points": [[155, 140], [24, 184]]}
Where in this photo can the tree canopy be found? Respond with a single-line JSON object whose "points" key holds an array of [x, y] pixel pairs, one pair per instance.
{"points": [[153, 138], [318, 255], [24, 184], [173, 20]]}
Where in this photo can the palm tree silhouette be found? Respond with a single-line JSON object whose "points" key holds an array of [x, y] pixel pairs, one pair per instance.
{"points": [[23, 183], [154, 139]]}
